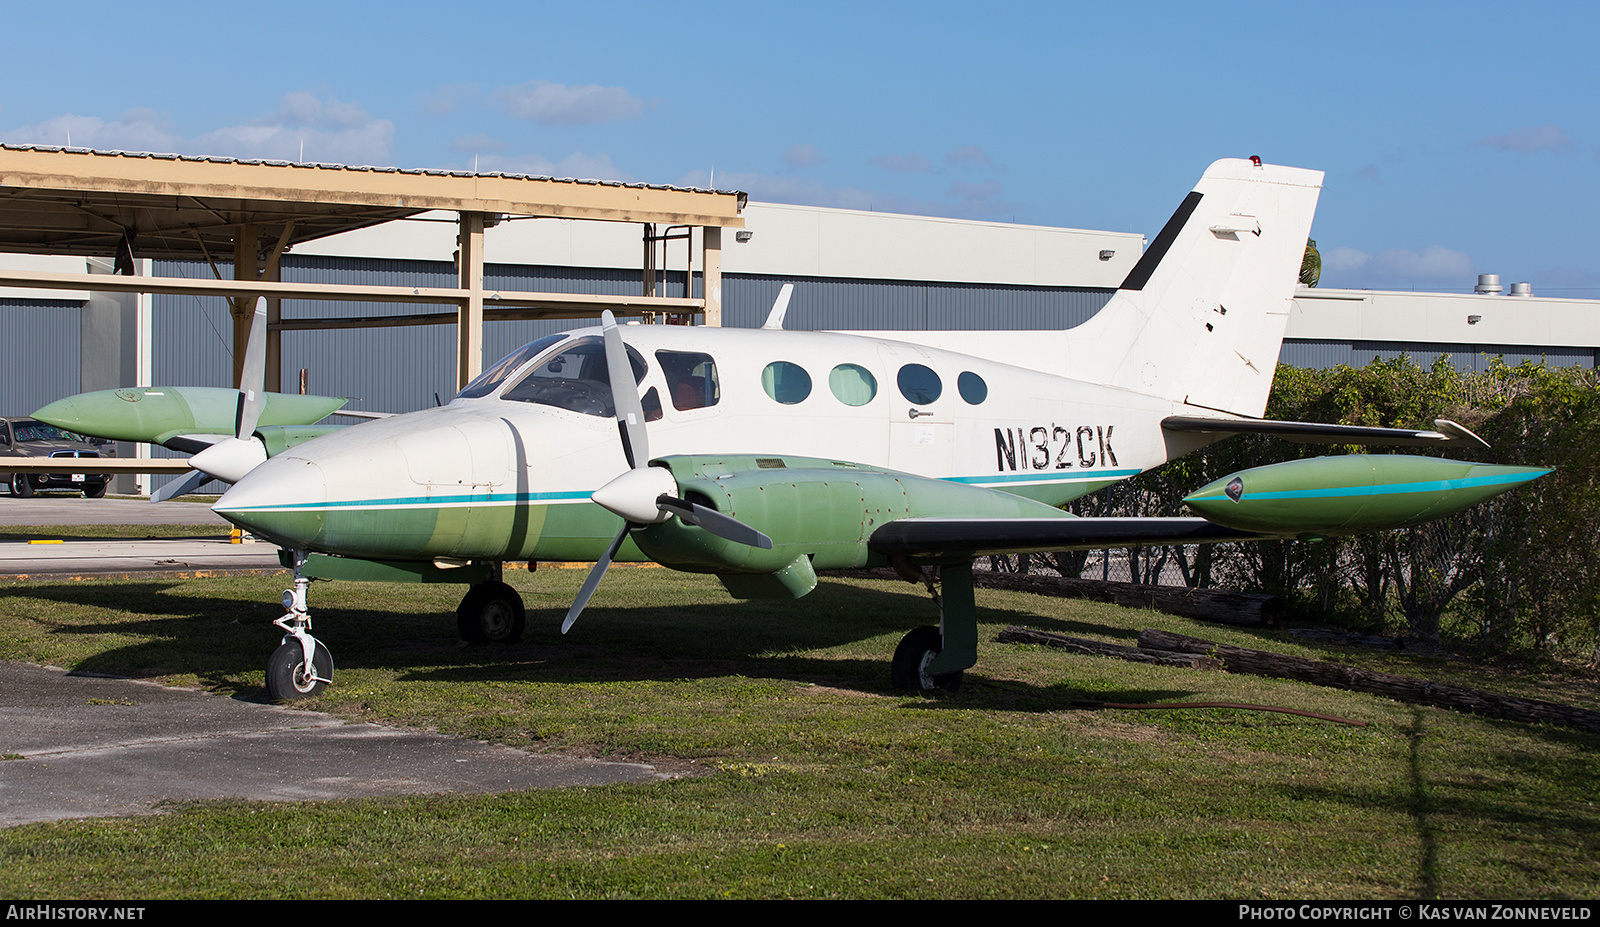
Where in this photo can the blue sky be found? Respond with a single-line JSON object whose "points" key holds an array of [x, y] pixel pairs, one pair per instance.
{"points": [[1458, 138]]}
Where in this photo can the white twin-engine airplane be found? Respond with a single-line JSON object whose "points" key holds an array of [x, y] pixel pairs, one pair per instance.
{"points": [[763, 455]]}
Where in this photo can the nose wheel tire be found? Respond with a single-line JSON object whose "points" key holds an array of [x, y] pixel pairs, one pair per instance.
{"points": [[491, 613], [909, 669], [288, 677]]}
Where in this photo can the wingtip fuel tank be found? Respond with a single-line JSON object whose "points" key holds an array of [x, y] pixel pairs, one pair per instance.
{"points": [[1351, 493], [158, 414]]}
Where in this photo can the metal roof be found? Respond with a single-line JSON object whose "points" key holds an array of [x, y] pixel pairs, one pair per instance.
{"points": [[56, 200]]}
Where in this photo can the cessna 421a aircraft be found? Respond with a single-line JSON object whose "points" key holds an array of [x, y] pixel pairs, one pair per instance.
{"points": [[761, 456]]}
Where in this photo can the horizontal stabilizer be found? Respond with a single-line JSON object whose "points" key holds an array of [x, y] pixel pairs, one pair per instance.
{"points": [[1446, 432]]}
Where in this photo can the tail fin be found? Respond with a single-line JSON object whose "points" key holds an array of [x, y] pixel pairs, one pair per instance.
{"points": [[1200, 318]]}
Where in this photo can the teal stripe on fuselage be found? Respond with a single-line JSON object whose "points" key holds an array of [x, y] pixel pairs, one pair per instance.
{"points": [[425, 501], [1393, 488], [1045, 476], [583, 495]]}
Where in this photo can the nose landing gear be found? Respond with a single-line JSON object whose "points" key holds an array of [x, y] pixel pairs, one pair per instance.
{"points": [[301, 666]]}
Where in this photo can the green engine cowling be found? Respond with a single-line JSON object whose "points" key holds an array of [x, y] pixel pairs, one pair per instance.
{"points": [[819, 514]]}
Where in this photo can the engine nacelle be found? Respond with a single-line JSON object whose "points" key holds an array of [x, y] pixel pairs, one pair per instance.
{"points": [[821, 510]]}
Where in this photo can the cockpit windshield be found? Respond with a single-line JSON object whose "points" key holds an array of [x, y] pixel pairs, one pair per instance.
{"points": [[488, 381], [574, 378]]}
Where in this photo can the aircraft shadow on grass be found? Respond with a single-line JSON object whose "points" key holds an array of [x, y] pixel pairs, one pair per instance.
{"points": [[638, 643]]}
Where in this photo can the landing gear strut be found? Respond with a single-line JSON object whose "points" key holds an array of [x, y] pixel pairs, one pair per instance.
{"points": [[301, 666], [929, 657], [491, 612]]}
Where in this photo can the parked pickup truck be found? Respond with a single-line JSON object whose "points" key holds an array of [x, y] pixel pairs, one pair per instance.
{"points": [[26, 437]]}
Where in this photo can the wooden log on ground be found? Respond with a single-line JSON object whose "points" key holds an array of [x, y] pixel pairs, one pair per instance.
{"points": [[1399, 688], [1016, 635], [1218, 605]]}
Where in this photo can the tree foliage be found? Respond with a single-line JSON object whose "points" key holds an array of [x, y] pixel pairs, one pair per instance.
{"points": [[1521, 572]]}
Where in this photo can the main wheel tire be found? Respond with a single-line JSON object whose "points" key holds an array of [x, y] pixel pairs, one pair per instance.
{"points": [[287, 676], [95, 492], [909, 669], [20, 487], [491, 613]]}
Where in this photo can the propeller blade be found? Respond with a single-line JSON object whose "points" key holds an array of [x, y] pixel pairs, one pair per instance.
{"points": [[179, 487], [723, 526], [253, 376], [593, 582], [625, 394]]}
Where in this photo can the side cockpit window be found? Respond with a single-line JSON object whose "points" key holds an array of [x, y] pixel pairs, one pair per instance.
{"points": [[488, 381], [691, 379], [574, 378]]}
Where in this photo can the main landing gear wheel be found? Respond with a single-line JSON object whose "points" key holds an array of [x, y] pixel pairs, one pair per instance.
{"points": [[909, 669], [20, 487], [289, 678], [491, 613]]}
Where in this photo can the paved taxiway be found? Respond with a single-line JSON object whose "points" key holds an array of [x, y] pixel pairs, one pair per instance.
{"points": [[76, 745]]}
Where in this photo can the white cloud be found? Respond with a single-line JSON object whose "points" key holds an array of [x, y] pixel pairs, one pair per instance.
{"points": [[577, 165], [1397, 268], [476, 143], [804, 156], [904, 164], [324, 129], [306, 128], [1529, 139], [970, 156], [443, 101], [560, 105], [134, 130]]}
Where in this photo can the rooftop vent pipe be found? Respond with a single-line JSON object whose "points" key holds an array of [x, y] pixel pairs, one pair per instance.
{"points": [[1488, 284], [1521, 289]]}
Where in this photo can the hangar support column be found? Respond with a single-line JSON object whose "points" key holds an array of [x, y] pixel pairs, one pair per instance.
{"points": [[711, 260], [247, 266], [469, 318]]}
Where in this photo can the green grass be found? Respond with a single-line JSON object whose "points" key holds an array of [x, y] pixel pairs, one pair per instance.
{"points": [[822, 783]]}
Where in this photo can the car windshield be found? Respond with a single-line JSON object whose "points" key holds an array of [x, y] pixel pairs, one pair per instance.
{"points": [[488, 381], [39, 431]]}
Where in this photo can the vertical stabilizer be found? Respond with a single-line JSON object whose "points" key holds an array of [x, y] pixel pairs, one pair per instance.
{"points": [[1200, 318]]}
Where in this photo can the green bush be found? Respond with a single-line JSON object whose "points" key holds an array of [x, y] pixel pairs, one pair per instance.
{"points": [[1521, 573]]}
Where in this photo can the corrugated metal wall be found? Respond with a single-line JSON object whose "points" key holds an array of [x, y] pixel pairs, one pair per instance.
{"points": [[400, 369], [821, 304], [41, 343]]}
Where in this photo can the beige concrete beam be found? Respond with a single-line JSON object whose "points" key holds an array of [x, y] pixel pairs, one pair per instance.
{"points": [[174, 176], [97, 465], [578, 304]]}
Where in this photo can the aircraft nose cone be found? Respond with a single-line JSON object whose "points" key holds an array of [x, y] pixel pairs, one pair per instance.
{"points": [[283, 501]]}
